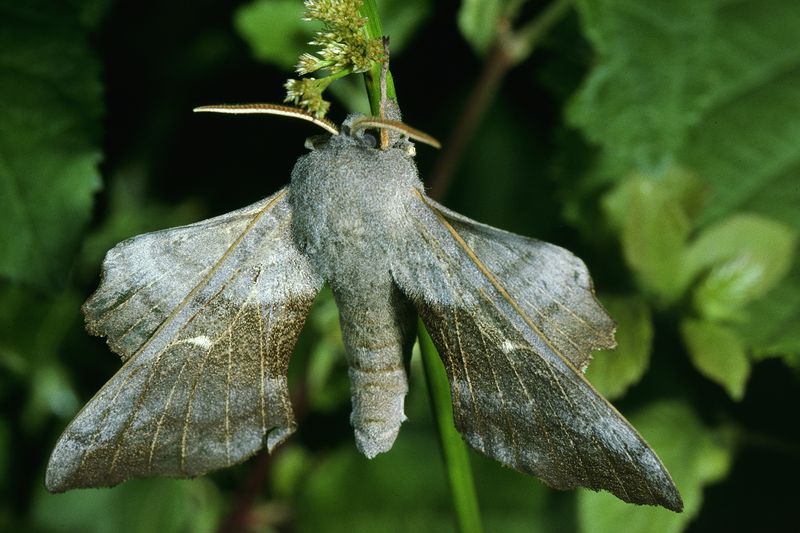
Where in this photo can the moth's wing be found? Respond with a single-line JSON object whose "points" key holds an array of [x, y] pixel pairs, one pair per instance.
{"points": [[144, 278], [207, 316], [518, 394], [552, 286]]}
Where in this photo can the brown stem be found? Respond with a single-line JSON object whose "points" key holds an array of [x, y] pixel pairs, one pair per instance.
{"points": [[239, 517], [510, 48], [494, 70], [241, 514]]}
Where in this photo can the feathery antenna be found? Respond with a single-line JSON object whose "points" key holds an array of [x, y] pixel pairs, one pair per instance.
{"points": [[269, 109]]}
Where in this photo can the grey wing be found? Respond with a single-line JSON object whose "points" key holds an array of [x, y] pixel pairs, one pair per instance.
{"points": [[550, 284], [206, 317], [518, 394]]}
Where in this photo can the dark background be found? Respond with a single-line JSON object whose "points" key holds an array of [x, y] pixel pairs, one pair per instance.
{"points": [[527, 170]]}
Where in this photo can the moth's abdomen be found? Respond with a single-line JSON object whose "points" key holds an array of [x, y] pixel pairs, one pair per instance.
{"points": [[348, 201], [378, 397], [378, 332]]}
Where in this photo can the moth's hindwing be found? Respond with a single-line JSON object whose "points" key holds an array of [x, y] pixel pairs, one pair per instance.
{"points": [[514, 320], [206, 317]]}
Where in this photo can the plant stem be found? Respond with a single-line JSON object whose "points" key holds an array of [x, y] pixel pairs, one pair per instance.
{"points": [[240, 514], [494, 70], [372, 79], [454, 451], [510, 48], [530, 35], [240, 517]]}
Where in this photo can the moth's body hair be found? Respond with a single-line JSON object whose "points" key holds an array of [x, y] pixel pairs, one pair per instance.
{"points": [[348, 207]]}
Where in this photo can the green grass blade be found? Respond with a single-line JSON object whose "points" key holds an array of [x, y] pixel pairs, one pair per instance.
{"points": [[454, 450]]}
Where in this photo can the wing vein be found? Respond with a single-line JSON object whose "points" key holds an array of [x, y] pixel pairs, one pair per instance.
{"points": [[135, 411], [564, 430], [496, 283], [129, 329], [464, 364], [101, 425], [503, 406], [228, 399], [261, 349], [558, 302], [123, 302], [199, 373], [164, 411], [203, 282]]}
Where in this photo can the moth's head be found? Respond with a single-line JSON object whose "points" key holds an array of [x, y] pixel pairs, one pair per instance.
{"points": [[371, 132], [384, 133]]}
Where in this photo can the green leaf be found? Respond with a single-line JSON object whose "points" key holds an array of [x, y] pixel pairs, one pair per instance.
{"points": [[671, 71], [653, 215], [275, 31], [32, 330], [745, 147], [709, 86], [477, 20], [695, 457], [288, 469], [138, 506], [401, 19], [746, 255], [49, 132], [382, 494], [770, 328], [326, 382], [640, 99], [612, 372], [718, 353], [706, 84]]}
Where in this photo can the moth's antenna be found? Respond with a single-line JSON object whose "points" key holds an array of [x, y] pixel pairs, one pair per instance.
{"points": [[394, 125], [269, 109]]}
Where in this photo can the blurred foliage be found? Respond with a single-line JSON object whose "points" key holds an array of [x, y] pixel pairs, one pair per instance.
{"points": [[277, 47], [49, 136], [657, 140], [612, 372], [163, 505], [695, 457], [477, 20]]}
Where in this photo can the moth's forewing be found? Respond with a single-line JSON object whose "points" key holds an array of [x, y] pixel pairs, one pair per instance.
{"points": [[514, 319], [549, 284], [207, 316]]}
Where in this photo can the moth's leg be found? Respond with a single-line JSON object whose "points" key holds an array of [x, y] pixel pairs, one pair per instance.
{"points": [[378, 329]]}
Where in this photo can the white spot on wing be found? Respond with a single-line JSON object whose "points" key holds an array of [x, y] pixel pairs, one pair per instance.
{"points": [[201, 340]]}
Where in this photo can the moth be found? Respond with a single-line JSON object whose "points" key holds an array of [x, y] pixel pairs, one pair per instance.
{"points": [[205, 317]]}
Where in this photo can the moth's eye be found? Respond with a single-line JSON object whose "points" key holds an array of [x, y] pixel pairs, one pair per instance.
{"points": [[370, 140], [315, 142]]}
